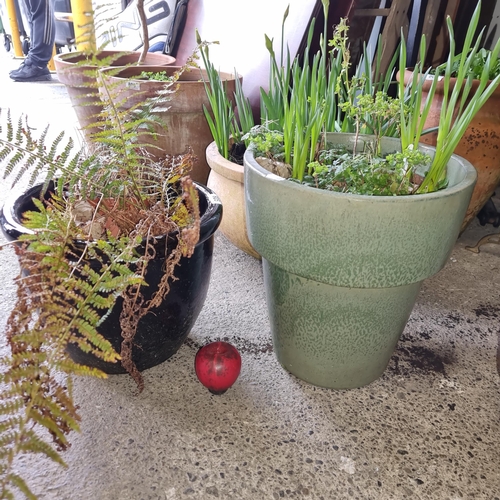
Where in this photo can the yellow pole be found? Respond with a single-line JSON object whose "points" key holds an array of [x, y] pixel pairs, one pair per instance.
{"points": [[14, 27], [83, 23], [51, 65]]}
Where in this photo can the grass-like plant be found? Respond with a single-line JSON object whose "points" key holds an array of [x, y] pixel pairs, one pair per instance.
{"points": [[319, 93], [322, 93], [229, 117], [461, 98]]}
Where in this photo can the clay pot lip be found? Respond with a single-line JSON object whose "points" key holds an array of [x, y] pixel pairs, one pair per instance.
{"points": [[219, 164], [190, 76], [408, 76], [71, 58]]}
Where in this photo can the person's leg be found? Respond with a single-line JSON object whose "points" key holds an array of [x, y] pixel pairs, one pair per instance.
{"points": [[42, 25], [43, 31]]}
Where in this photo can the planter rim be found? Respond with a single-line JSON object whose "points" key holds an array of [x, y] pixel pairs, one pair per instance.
{"points": [[469, 177], [219, 164], [77, 56], [117, 71], [14, 228], [408, 76]]}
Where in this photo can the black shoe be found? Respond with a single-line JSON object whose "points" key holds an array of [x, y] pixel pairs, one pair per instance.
{"points": [[29, 72]]}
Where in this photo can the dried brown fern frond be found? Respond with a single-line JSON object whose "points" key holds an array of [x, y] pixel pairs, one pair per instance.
{"points": [[57, 303]]}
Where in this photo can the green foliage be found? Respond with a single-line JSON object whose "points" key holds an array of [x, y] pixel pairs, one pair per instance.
{"points": [[23, 154], [479, 60], [373, 114], [266, 142], [461, 100], [158, 76], [321, 93], [225, 124], [90, 243], [318, 94]]}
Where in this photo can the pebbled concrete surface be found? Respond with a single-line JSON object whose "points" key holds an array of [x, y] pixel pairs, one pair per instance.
{"points": [[428, 429]]}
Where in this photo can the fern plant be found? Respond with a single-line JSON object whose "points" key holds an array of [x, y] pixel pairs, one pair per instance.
{"points": [[56, 305], [91, 239]]}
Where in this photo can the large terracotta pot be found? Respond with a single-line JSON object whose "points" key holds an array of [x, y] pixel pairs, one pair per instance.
{"points": [[81, 81], [226, 179], [162, 331], [480, 144], [183, 120], [342, 271]]}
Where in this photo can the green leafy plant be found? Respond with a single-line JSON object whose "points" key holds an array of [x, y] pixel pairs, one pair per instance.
{"points": [[306, 100], [319, 94], [93, 235], [461, 99], [159, 76], [479, 61]]}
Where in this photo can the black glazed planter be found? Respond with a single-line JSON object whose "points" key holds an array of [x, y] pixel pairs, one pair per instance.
{"points": [[161, 332]]}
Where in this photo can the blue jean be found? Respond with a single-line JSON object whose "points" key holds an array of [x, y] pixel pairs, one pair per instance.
{"points": [[42, 31]]}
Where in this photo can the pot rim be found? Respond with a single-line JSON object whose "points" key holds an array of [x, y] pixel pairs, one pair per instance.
{"points": [[470, 176], [116, 72], [13, 228], [68, 58], [228, 169], [408, 76]]}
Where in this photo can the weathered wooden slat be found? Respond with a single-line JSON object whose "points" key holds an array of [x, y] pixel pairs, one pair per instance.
{"points": [[372, 12]]}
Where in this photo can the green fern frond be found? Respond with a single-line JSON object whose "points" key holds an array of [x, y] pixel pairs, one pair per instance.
{"points": [[42, 325], [19, 483], [9, 423], [68, 366], [7, 438]]}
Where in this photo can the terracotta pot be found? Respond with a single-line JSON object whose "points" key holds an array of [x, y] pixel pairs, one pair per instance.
{"points": [[480, 144], [81, 81], [184, 121], [226, 179]]}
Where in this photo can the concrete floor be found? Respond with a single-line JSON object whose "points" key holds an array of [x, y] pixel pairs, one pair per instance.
{"points": [[427, 429]]}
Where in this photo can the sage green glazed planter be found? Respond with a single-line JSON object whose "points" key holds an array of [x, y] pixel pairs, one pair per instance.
{"points": [[342, 272]]}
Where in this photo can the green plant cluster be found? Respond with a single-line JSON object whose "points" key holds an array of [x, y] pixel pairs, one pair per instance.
{"points": [[321, 93], [367, 173], [266, 142], [159, 76], [229, 117], [479, 61]]}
